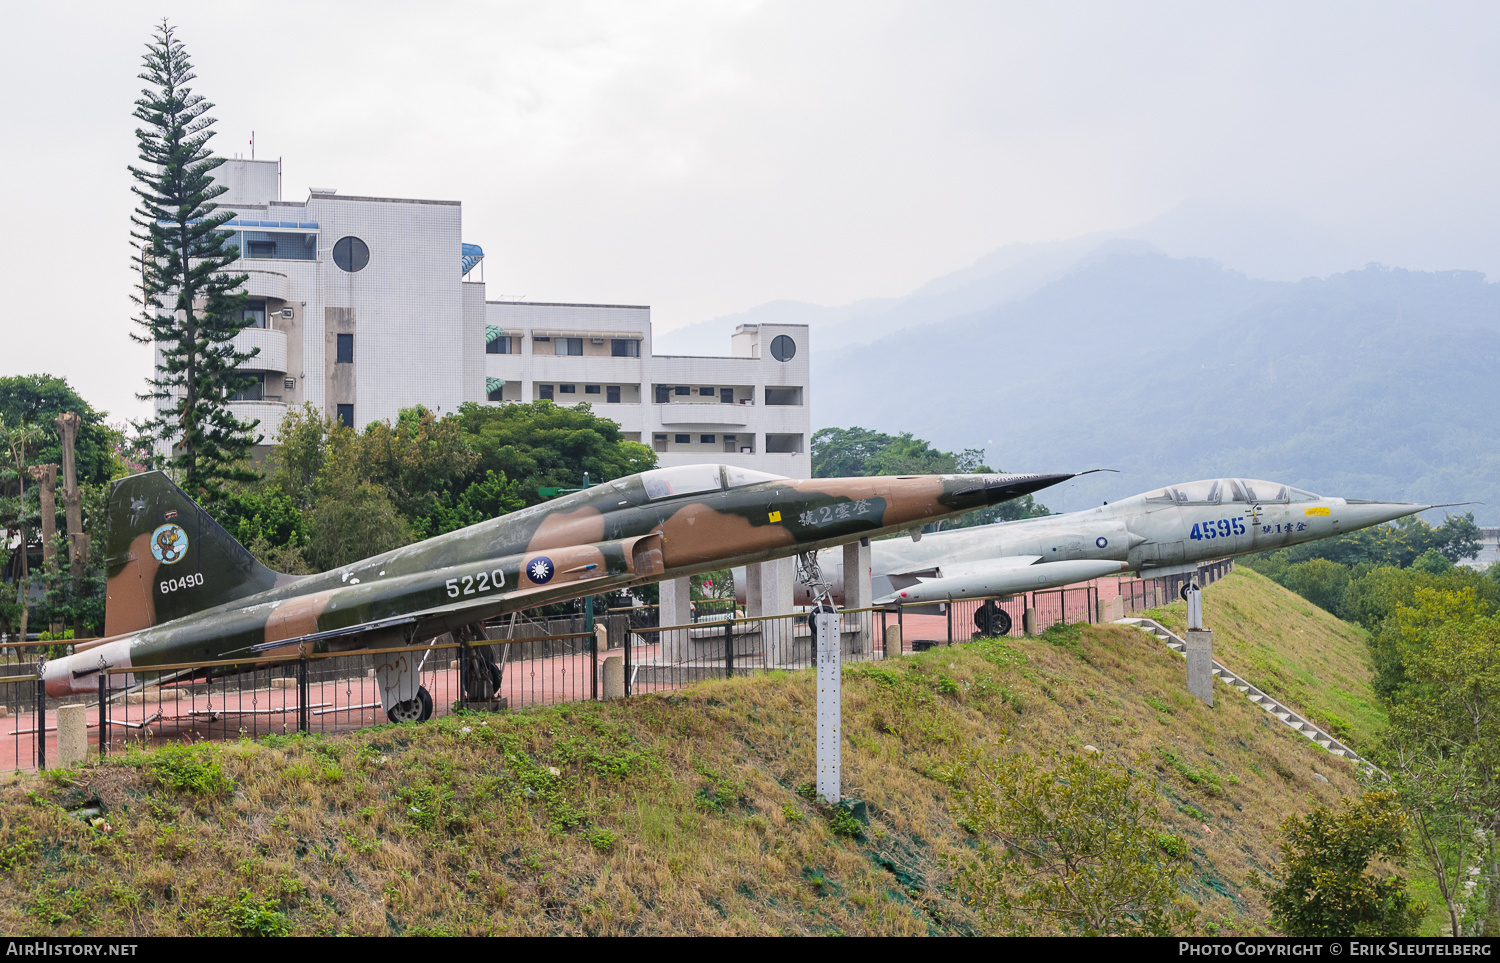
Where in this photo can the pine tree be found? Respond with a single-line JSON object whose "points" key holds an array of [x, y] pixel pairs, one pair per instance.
{"points": [[190, 308]]}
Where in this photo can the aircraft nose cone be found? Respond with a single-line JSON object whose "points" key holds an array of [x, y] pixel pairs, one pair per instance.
{"points": [[1360, 512], [1002, 488]]}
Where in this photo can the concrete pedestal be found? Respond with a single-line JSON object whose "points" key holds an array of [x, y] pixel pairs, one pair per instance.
{"points": [[1200, 664], [676, 609], [892, 641], [72, 734], [768, 591], [857, 593], [1111, 610], [1028, 622], [614, 677]]}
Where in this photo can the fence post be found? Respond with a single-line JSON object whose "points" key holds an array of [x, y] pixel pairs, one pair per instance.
{"points": [[463, 669], [629, 644], [41, 713], [302, 689], [729, 649], [103, 713], [949, 609]]}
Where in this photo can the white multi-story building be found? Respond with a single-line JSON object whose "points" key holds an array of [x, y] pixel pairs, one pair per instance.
{"points": [[363, 306]]}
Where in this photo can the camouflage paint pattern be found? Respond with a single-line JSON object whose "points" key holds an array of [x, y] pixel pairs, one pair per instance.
{"points": [[181, 589]]}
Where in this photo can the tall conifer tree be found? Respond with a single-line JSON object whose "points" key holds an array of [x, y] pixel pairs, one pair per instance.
{"points": [[190, 307]]}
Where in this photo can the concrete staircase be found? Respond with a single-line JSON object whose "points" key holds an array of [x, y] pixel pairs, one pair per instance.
{"points": [[1288, 718]]}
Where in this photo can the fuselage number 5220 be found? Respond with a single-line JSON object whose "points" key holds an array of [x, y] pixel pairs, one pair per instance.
{"points": [[474, 584]]}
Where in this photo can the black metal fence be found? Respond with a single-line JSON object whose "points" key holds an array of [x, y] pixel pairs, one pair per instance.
{"points": [[519, 662]]}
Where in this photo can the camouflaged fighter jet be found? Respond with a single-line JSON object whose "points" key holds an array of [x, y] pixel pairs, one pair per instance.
{"points": [[1164, 532], [181, 589]]}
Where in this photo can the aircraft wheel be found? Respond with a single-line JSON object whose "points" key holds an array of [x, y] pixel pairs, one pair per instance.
{"points": [[412, 710], [991, 619], [1184, 591]]}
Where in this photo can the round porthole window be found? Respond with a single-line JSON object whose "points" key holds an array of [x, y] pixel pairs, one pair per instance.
{"points": [[783, 348], [351, 254]]}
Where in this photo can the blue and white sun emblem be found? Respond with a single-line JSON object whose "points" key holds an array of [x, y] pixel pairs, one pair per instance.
{"points": [[540, 570], [1101, 541]]}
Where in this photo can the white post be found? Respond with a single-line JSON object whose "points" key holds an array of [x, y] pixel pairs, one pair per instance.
{"points": [[830, 705]]}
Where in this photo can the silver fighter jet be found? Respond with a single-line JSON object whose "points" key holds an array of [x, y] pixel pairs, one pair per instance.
{"points": [[1164, 532]]}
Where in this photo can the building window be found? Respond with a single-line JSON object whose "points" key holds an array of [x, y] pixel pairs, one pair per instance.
{"points": [[705, 392], [591, 389], [612, 396], [726, 396], [783, 348], [623, 348], [680, 390], [346, 415], [261, 249], [255, 391], [567, 389], [659, 442], [663, 394], [500, 345], [784, 396], [545, 391], [497, 394], [572, 346], [350, 254], [705, 439], [345, 349], [255, 313], [683, 439]]}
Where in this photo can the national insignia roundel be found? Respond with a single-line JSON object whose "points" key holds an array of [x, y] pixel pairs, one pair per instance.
{"points": [[1101, 541], [169, 544], [539, 570]]}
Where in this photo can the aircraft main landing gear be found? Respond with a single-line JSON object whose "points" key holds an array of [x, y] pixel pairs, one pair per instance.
{"points": [[991, 619], [418, 709]]}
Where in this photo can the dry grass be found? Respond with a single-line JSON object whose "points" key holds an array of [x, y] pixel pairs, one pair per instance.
{"points": [[666, 814], [1293, 650]]}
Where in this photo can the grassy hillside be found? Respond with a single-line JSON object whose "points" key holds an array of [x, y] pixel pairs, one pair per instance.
{"points": [[1291, 649], [663, 814]]}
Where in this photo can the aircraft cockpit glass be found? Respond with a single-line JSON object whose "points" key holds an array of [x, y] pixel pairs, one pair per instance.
{"points": [[1264, 491], [1199, 493], [1160, 495], [740, 477], [1236, 490], [682, 480], [1298, 495]]}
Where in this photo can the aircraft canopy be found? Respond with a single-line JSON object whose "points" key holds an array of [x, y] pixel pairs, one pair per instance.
{"points": [[693, 479], [1226, 491]]}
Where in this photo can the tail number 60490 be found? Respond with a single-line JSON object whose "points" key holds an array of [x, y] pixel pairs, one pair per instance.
{"points": [[474, 584]]}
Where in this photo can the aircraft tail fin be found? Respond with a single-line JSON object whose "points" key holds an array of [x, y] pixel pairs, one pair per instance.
{"points": [[167, 558]]}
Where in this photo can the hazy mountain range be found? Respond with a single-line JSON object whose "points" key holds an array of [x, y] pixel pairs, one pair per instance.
{"points": [[1106, 351]]}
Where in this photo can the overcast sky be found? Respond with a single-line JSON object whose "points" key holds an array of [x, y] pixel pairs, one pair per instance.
{"points": [[707, 157]]}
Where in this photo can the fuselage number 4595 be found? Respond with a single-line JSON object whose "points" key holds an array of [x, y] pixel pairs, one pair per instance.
{"points": [[1224, 527]]}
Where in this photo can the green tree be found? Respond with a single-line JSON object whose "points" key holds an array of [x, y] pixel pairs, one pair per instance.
{"points": [[352, 524], [190, 308], [854, 452], [1320, 581], [38, 400], [1332, 883], [1451, 703], [541, 444], [1072, 844]]}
